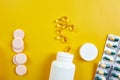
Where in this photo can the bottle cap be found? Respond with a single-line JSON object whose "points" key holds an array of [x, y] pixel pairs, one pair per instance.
{"points": [[88, 52]]}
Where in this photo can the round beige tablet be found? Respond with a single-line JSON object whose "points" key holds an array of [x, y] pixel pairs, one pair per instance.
{"points": [[20, 58], [18, 33], [14, 60], [17, 43], [21, 70], [18, 50]]}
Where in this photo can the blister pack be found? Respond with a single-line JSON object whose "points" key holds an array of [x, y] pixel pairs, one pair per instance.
{"points": [[110, 60], [115, 72]]}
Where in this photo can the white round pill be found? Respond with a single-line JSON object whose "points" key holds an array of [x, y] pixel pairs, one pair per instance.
{"points": [[18, 50], [14, 60], [20, 58], [18, 33], [21, 70], [17, 43], [88, 52]]}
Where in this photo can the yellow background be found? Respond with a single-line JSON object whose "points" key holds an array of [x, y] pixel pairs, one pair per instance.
{"points": [[94, 19]]}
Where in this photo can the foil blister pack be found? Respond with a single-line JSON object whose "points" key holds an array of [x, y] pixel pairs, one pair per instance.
{"points": [[115, 72], [109, 67]]}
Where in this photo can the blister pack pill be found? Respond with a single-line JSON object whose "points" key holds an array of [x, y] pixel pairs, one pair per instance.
{"points": [[102, 71], [110, 62], [115, 72]]}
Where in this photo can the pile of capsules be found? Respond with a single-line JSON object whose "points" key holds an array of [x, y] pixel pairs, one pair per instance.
{"points": [[109, 67], [20, 58], [63, 24]]}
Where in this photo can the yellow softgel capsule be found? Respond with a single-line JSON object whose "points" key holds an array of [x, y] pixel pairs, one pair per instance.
{"points": [[64, 26], [58, 25], [64, 39], [59, 32], [65, 19], [61, 26], [57, 21], [67, 49], [71, 27], [58, 37]]}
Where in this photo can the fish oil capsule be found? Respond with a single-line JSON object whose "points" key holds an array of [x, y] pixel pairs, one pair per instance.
{"points": [[109, 52], [59, 32], [108, 58], [102, 72], [112, 38], [111, 45], [64, 19], [67, 49], [64, 26], [64, 39], [104, 65], [71, 27], [58, 37], [100, 78], [58, 25], [57, 21], [116, 68]]}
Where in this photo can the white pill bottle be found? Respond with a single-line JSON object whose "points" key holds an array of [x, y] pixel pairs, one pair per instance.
{"points": [[63, 67]]}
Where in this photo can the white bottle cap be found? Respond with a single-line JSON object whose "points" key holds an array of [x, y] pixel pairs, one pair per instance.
{"points": [[21, 70], [20, 59], [18, 33], [88, 52], [65, 56], [18, 43]]}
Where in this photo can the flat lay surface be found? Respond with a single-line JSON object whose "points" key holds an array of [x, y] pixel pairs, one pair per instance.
{"points": [[94, 20]]}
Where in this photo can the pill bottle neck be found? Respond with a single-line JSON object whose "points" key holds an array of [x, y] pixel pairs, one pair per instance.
{"points": [[65, 57]]}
